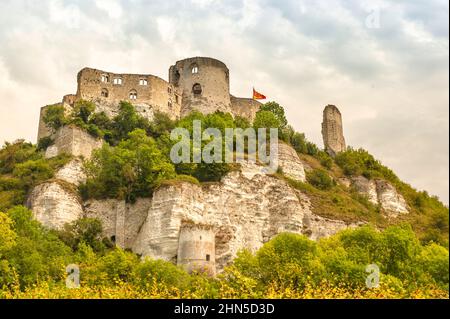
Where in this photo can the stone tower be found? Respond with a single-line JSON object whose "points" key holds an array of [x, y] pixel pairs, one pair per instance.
{"points": [[196, 248], [332, 132], [205, 83]]}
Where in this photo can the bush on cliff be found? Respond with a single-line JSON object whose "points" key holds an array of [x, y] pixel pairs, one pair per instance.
{"points": [[131, 169]]}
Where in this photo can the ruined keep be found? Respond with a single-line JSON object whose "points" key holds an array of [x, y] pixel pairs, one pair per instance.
{"points": [[332, 131], [198, 83]]}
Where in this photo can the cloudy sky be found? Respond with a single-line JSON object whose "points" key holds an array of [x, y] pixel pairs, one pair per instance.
{"points": [[384, 64]]}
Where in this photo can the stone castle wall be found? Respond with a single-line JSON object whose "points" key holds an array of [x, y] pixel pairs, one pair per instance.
{"points": [[332, 131], [245, 107], [148, 92], [74, 141]]}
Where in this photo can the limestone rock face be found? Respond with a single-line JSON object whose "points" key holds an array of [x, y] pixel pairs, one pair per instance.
{"points": [[366, 187], [290, 163], [390, 200], [246, 209], [74, 141], [380, 192], [54, 204], [72, 172], [121, 221]]}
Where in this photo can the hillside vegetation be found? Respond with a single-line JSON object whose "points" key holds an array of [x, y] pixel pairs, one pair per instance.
{"points": [[411, 251]]}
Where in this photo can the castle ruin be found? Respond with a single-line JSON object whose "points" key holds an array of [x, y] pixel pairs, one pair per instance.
{"points": [[332, 132], [198, 227], [199, 83]]}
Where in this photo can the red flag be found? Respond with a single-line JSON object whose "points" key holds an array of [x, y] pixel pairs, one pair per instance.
{"points": [[258, 96]]}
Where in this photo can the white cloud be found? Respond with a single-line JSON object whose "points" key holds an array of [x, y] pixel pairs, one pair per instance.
{"points": [[111, 7]]}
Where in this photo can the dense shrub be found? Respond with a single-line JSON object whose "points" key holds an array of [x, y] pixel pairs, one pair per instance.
{"points": [[86, 231], [266, 119], [54, 117], [277, 110], [33, 260], [131, 169], [320, 179]]}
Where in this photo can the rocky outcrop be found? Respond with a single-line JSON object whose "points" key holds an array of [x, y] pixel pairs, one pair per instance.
{"points": [[246, 210], [290, 163], [121, 221], [55, 203], [390, 200], [366, 187], [73, 141], [72, 172], [380, 192], [332, 131]]}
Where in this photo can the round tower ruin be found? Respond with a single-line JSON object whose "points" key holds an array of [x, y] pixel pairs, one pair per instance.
{"points": [[196, 248], [205, 83]]}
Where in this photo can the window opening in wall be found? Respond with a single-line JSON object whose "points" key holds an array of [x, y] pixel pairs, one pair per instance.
{"points": [[176, 99], [133, 95], [113, 238], [105, 93], [117, 81], [105, 78], [208, 258], [169, 90], [194, 69], [143, 82], [197, 89], [169, 104]]}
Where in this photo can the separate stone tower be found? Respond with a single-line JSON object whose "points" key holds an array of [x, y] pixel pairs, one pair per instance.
{"points": [[196, 248], [205, 83], [332, 132]]}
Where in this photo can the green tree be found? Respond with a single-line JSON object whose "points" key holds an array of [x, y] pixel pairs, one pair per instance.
{"points": [[131, 169], [38, 254], [84, 230], [287, 260], [83, 110], [127, 121], [266, 119], [277, 110], [7, 234], [33, 171], [54, 117], [161, 124]]}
